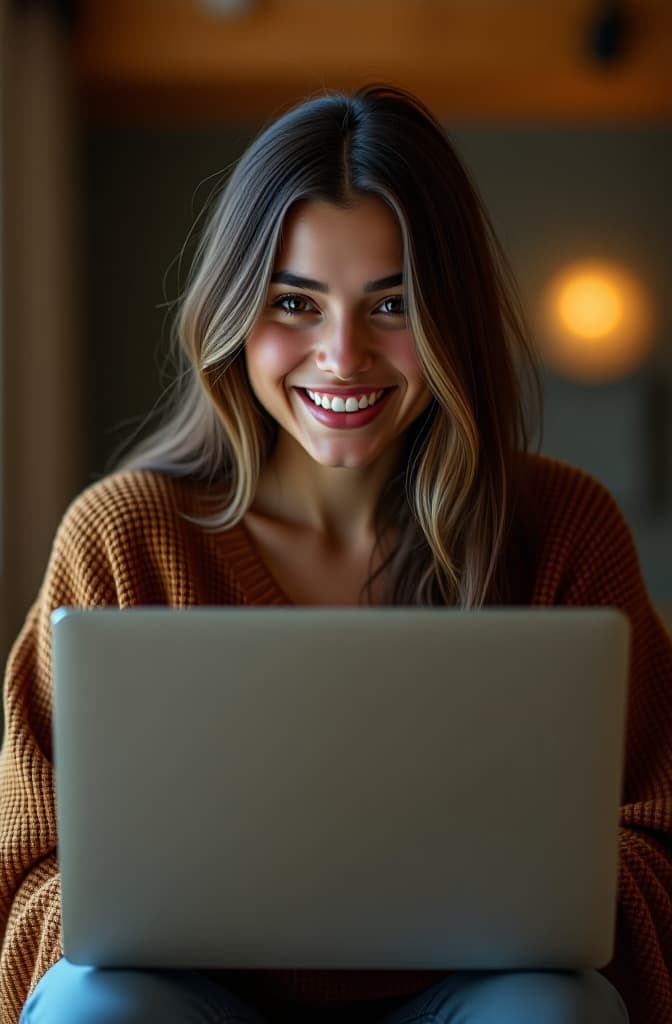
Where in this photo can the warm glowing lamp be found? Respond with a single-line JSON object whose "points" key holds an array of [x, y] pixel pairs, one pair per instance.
{"points": [[590, 305], [596, 322]]}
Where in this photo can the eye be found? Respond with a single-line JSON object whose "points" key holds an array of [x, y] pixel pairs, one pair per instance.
{"points": [[293, 304], [393, 305]]}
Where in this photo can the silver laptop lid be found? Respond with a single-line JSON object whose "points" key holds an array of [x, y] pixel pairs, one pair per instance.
{"points": [[342, 788]]}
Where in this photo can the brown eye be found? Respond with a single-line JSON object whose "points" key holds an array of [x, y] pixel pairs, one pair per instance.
{"points": [[393, 305], [293, 304]]}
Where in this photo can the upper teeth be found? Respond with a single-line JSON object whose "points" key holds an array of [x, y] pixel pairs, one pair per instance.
{"points": [[349, 404]]}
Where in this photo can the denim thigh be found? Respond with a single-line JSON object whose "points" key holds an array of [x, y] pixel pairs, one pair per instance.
{"points": [[70, 994], [516, 997]]}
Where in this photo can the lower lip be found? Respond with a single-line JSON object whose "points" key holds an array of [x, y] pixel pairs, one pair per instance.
{"points": [[344, 420]]}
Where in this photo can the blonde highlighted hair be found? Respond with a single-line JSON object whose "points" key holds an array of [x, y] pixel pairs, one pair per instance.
{"points": [[456, 497]]}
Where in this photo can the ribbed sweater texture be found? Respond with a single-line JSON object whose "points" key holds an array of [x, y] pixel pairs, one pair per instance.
{"points": [[128, 540]]}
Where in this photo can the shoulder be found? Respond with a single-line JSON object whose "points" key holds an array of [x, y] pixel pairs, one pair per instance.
{"points": [[584, 543], [146, 537], [128, 493], [567, 499], [130, 501], [124, 524], [556, 481]]}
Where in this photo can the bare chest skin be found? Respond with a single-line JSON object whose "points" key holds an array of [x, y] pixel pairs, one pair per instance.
{"points": [[309, 569]]}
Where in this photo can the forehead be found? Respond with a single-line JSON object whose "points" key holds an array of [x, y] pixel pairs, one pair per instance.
{"points": [[319, 235]]}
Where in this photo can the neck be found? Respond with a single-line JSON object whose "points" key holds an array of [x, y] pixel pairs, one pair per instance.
{"points": [[337, 502]]}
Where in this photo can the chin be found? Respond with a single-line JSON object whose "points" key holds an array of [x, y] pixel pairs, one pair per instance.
{"points": [[344, 460]]}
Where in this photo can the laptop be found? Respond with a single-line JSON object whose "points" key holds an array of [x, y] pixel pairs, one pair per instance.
{"points": [[386, 788]]}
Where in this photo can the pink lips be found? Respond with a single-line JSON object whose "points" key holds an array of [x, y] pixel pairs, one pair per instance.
{"points": [[345, 420]]}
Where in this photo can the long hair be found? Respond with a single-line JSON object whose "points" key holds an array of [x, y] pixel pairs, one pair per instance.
{"points": [[455, 497]]}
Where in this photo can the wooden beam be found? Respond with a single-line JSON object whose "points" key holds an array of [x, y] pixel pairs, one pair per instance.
{"points": [[466, 58]]}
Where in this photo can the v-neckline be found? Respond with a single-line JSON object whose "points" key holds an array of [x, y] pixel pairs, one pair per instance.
{"points": [[253, 575]]}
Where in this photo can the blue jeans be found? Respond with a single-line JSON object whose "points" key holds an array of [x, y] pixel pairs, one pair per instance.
{"points": [[68, 994]]}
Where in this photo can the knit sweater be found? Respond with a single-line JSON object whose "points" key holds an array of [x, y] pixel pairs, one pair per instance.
{"points": [[126, 541]]}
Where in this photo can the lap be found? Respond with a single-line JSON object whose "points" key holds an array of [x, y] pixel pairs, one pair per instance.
{"points": [[69, 994]]}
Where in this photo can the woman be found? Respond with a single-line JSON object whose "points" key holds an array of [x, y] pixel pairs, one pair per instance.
{"points": [[349, 428]]}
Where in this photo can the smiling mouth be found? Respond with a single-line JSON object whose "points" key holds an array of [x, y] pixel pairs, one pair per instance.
{"points": [[338, 411], [344, 403]]}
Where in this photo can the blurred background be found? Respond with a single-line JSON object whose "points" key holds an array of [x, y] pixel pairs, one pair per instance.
{"points": [[118, 117]]}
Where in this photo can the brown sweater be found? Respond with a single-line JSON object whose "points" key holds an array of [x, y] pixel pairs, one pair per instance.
{"points": [[124, 542]]}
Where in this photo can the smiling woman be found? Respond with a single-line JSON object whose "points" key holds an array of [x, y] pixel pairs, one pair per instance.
{"points": [[348, 427], [340, 216]]}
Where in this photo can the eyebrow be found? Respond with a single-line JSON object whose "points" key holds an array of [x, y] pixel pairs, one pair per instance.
{"points": [[286, 277]]}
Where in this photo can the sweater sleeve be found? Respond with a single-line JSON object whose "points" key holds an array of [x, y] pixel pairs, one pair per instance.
{"points": [[606, 571], [30, 916]]}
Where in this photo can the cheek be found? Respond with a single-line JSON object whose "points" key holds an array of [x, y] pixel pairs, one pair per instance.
{"points": [[270, 354], [405, 357]]}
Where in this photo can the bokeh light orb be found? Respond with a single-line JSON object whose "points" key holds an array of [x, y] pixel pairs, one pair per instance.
{"points": [[596, 321]]}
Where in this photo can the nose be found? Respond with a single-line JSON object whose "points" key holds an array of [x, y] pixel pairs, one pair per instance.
{"points": [[343, 349]]}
